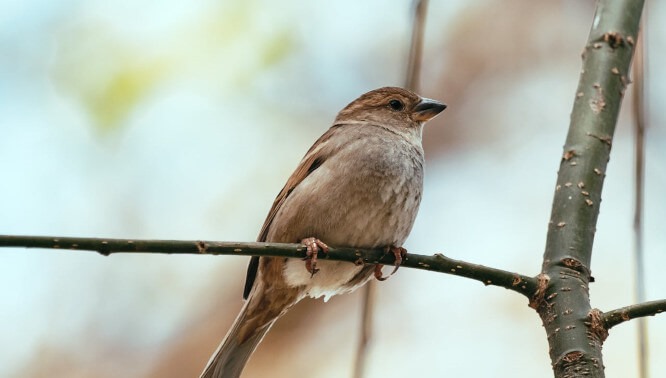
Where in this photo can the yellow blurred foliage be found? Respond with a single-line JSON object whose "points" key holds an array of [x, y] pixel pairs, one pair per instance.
{"points": [[109, 73]]}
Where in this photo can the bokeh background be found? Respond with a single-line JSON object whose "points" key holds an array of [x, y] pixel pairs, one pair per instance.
{"points": [[182, 120]]}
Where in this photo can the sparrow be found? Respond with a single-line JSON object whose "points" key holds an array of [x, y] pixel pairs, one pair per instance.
{"points": [[360, 186]]}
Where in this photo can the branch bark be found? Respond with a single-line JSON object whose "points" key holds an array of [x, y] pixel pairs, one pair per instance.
{"points": [[437, 263], [564, 307], [612, 318]]}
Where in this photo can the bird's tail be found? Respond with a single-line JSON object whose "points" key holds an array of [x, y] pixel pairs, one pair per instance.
{"points": [[259, 313], [237, 347]]}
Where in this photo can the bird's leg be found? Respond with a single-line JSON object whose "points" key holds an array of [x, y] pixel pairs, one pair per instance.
{"points": [[399, 253], [313, 245]]}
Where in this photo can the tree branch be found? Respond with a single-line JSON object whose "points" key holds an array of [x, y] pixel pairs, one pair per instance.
{"points": [[565, 307], [437, 263], [415, 56], [612, 318]]}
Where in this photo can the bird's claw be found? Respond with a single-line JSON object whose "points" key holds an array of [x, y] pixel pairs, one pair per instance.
{"points": [[399, 253], [313, 245]]}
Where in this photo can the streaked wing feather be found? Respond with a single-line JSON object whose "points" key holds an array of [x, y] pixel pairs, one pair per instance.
{"points": [[315, 157]]}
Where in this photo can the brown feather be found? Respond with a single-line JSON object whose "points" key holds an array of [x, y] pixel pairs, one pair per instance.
{"points": [[318, 153], [315, 156]]}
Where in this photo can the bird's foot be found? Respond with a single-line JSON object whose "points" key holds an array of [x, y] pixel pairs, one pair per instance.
{"points": [[313, 245], [399, 253]]}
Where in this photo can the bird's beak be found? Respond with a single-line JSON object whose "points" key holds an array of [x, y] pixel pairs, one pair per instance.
{"points": [[427, 109]]}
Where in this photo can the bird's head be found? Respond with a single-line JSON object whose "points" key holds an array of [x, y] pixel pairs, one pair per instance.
{"points": [[391, 107]]}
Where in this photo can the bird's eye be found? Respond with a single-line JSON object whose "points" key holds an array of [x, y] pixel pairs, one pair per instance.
{"points": [[396, 105]]}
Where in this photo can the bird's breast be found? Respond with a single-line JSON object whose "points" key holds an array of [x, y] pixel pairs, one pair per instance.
{"points": [[364, 196]]}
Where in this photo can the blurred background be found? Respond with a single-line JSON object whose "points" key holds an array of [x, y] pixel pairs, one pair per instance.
{"points": [[180, 120]]}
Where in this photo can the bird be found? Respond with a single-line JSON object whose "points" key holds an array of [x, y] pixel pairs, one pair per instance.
{"points": [[359, 185]]}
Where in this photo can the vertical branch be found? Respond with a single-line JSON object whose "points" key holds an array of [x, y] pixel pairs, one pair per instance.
{"points": [[366, 329], [563, 301], [411, 82], [416, 46], [639, 113]]}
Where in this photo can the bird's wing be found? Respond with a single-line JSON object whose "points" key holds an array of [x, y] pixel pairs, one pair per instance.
{"points": [[313, 159]]}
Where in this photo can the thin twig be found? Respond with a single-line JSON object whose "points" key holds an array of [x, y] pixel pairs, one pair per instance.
{"points": [[416, 47], [367, 311], [519, 283], [639, 112], [612, 318]]}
